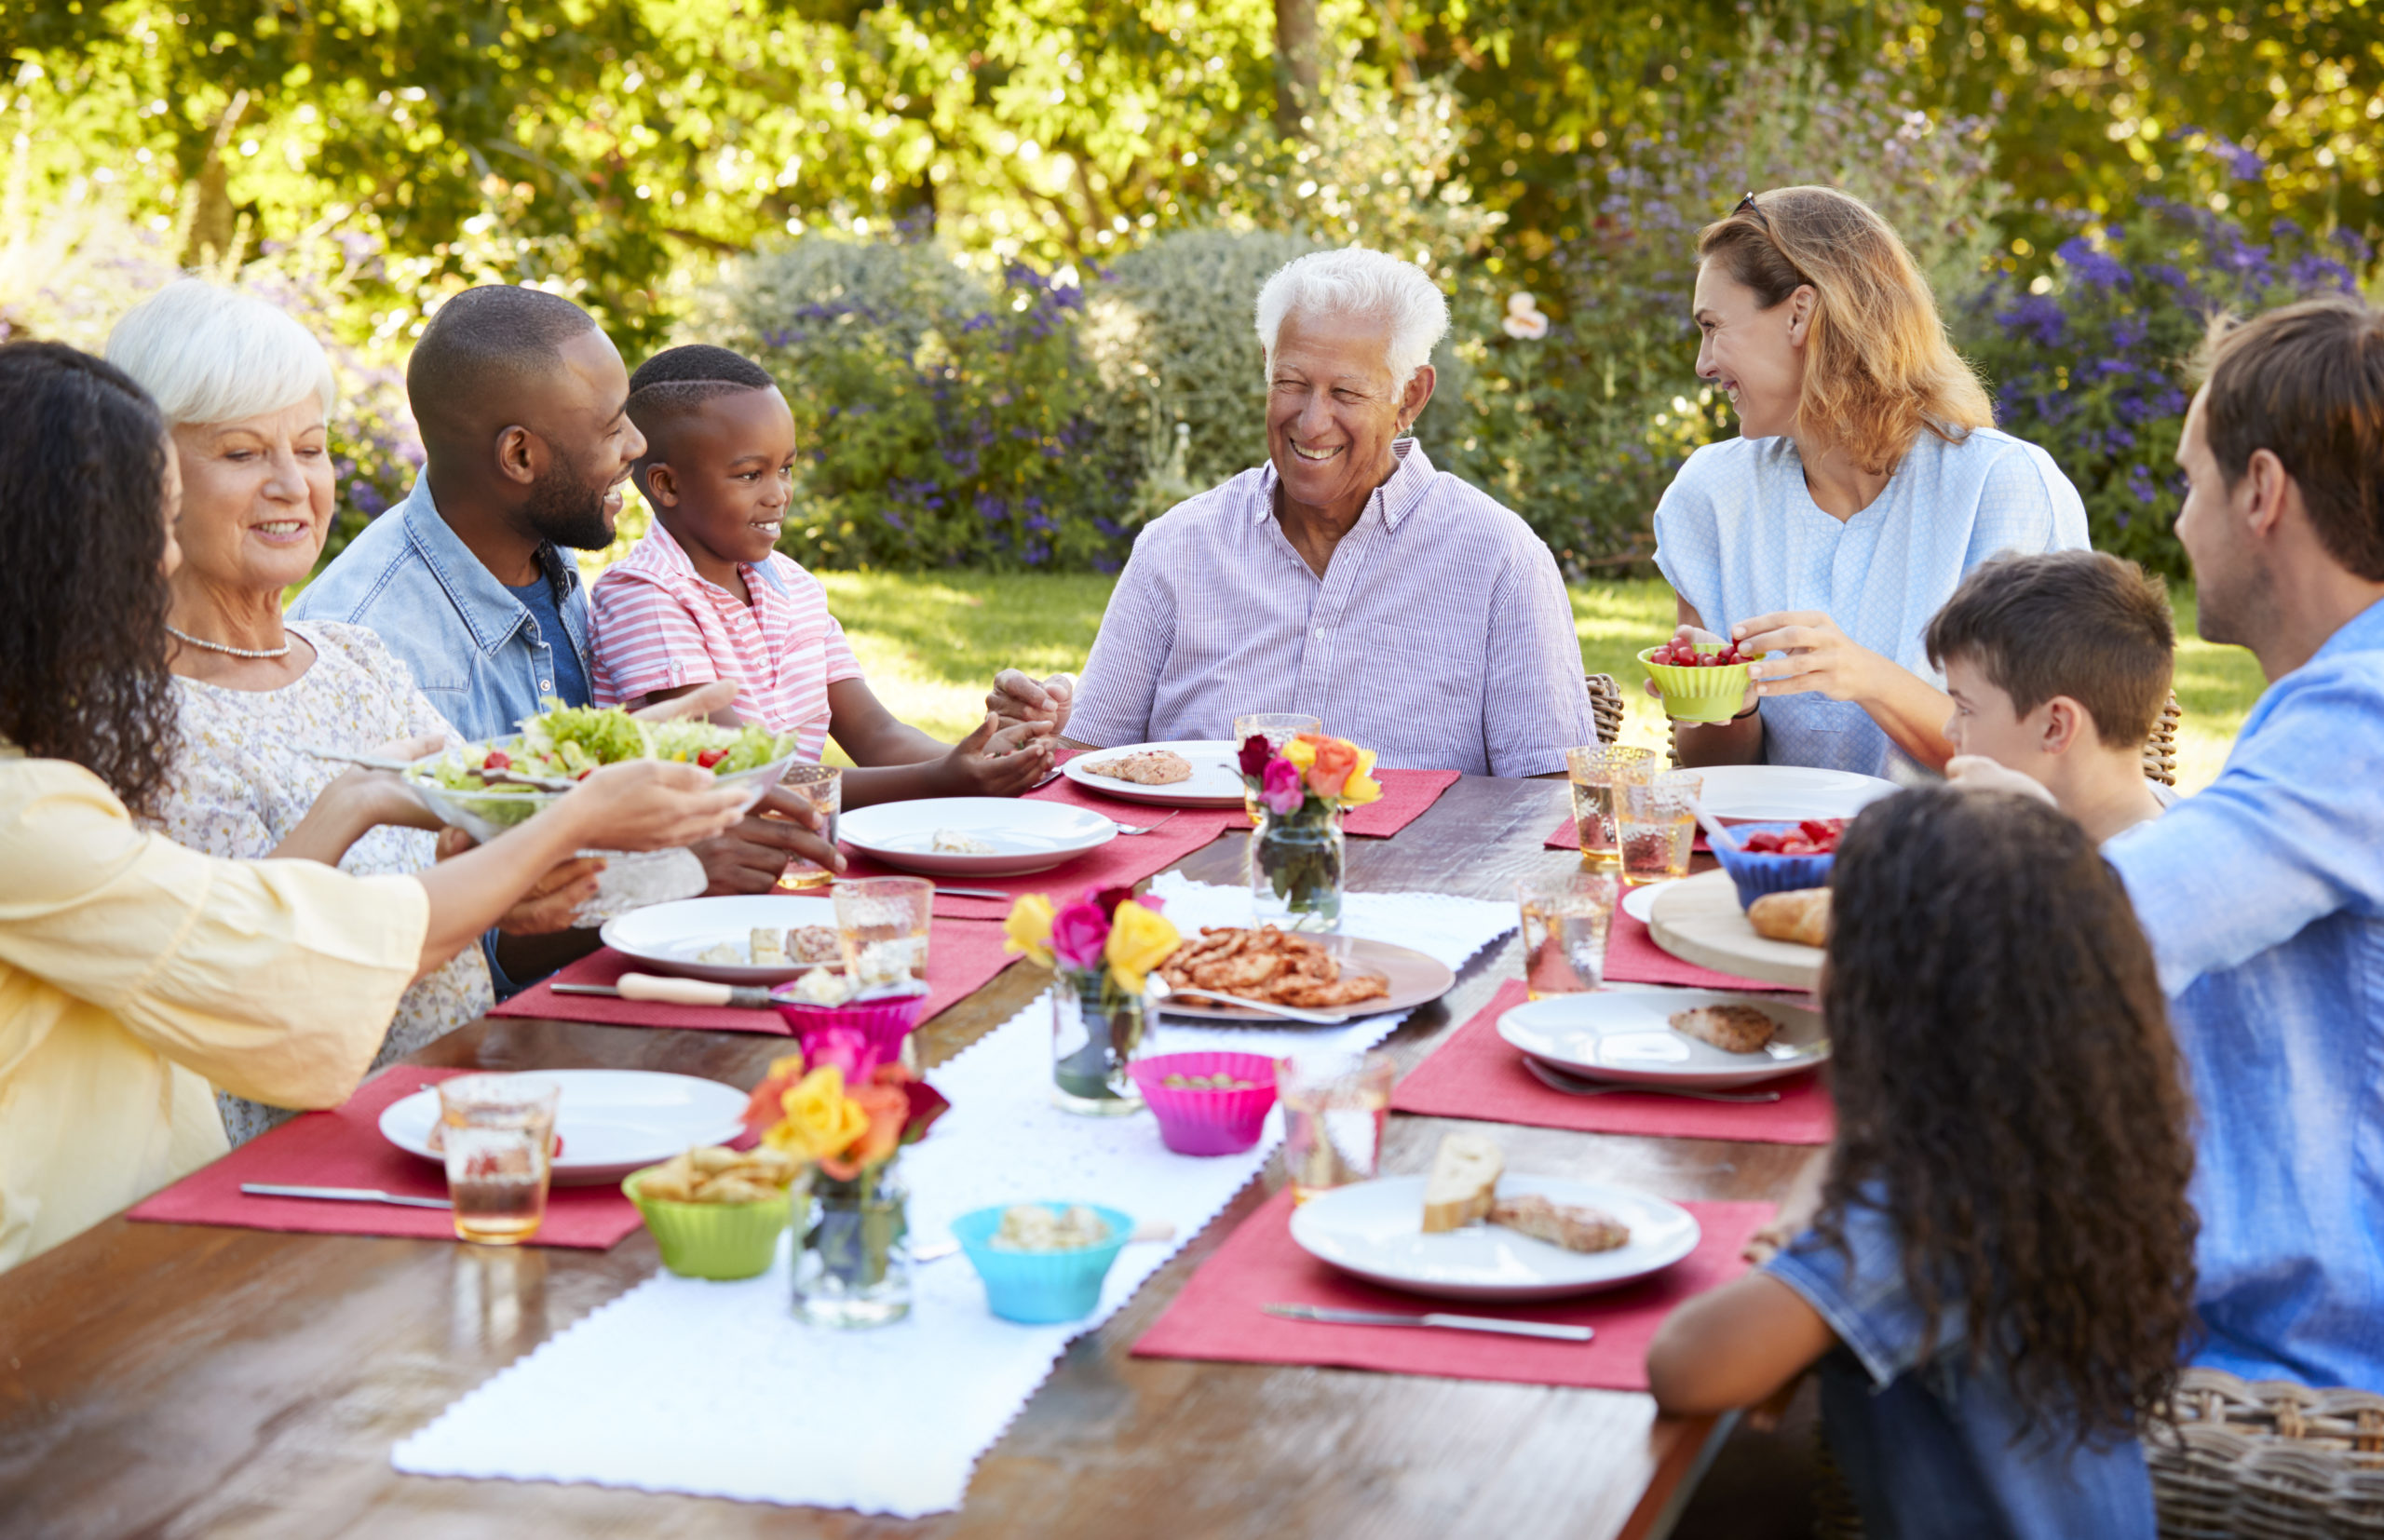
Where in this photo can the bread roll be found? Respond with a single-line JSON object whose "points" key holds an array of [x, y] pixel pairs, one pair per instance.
{"points": [[1463, 1184], [1801, 916]]}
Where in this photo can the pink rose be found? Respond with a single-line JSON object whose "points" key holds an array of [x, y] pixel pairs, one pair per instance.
{"points": [[1283, 791], [1078, 934], [848, 1048]]}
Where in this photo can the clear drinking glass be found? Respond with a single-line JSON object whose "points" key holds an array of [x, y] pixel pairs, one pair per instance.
{"points": [[1278, 728], [1657, 825], [1595, 772], [497, 1133], [1564, 922], [1334, 1107], [883, 924], [823, 787]]}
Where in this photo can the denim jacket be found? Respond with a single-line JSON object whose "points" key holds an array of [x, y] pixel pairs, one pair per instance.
{"points": [[473, 648]]}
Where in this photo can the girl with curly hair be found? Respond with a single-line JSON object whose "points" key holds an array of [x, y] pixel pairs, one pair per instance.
{"points": [[1994, 1275]]}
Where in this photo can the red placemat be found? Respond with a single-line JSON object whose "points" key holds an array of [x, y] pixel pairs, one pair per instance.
{"points": [[962, 954], [1121, 863], [343, 1148], [1217, 1316], [1405, 795], [1476, 1074], [1632, 957]]}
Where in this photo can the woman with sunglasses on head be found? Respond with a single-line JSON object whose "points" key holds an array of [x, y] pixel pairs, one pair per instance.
{"points": [[1867, 479]]}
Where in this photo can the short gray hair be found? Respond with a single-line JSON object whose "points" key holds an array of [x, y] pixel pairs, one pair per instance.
{"points": [[208, 353], [1355, 281]]}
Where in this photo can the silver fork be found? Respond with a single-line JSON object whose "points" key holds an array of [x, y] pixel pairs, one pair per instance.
{"points": [[1575, 1084], [1145, 828]]}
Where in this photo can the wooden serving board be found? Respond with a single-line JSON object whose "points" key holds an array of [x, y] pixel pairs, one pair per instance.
{"points": [[1699, 921]]}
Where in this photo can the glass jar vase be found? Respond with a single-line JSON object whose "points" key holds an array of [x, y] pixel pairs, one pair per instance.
{"points": [[854, 1266], [1294, 865], [1096, 1028]]}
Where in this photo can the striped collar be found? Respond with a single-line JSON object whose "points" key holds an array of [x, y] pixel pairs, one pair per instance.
{"points": [[1411, 476]]}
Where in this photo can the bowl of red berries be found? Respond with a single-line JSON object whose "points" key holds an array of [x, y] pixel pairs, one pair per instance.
{"points": [[1779, 858], [1701, 680]]}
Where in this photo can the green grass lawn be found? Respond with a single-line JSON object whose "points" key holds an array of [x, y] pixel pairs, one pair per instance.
{"points": [[932, 644]]}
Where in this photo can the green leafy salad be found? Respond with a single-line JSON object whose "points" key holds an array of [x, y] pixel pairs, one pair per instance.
{"points": [[570, 741]]}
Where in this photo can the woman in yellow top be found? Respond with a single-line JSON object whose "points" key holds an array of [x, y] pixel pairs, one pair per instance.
{"points": [[133, 971]]}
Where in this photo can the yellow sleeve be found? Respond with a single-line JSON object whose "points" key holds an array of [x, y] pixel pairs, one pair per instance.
{"points": [[275, 980]]}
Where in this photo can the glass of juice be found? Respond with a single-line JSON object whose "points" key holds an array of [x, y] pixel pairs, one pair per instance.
{"points": [[1595, 772], [497, 1133], [1564, 922], [882, 923], [1335, 1108], [1656, 824], [1278, 728], [823, 787]]}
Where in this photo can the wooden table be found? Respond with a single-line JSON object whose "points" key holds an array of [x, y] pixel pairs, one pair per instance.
{"points": [[186, 1379]]}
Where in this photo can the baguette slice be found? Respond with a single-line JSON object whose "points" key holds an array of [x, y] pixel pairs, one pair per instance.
{"points": [[1570, 1225], [1801, 916], [1463, 1184]]}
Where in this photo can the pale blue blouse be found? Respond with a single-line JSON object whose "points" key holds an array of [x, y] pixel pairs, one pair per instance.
{"points": [[1739, 534]]}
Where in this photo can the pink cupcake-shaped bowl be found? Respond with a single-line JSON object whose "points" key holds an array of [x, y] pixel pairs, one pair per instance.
{"points": [[883, 1022], [1197, 1122]]}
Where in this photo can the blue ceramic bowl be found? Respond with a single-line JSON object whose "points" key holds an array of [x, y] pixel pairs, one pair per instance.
{"points": [[1040, 1287], [1758, 874]]}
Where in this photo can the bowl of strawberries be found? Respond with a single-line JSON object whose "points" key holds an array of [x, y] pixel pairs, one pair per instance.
{"points": [[1779, 858], [1699, 681]]}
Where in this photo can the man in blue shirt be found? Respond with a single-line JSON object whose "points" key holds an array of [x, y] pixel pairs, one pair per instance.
{"points": [[2263, 895], [522, 401]]}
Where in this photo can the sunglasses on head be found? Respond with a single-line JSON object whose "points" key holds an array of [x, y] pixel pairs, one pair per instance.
{"points": [[1747, 205]]}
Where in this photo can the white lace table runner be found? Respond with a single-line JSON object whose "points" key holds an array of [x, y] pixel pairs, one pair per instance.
{"points": [[716, 1389]]}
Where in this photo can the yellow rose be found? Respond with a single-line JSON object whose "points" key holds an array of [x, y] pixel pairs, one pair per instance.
{"points": [[1028, 929], [1300, 752], [820, 1120], [1361, 788], [1139, 942]]}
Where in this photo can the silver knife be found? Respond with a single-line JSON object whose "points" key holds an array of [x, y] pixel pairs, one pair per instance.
{"points": [[342, 1194], [1461, 1323], [973, 893]]}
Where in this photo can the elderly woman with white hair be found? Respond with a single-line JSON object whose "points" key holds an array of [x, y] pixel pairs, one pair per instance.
{"points": [[247, 394], [1346, 579]]}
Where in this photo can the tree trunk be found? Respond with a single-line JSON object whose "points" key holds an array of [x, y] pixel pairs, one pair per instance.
{"points": [[214, 222], [1295, 64]]}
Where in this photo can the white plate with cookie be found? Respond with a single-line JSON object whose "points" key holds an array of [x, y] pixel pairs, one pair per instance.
{"points": [[1630, 1036], [713, 938], [1199, 773], [1375, 1230], [974, 836]]}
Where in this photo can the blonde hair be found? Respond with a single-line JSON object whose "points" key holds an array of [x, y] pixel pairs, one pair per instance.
{"points": [[210, 354], [1879, 370]]}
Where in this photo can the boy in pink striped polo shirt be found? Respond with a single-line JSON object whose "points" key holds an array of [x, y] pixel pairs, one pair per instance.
{"points": [[706, 595]]}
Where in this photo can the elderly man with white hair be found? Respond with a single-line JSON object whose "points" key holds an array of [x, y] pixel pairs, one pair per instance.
{"points": [[1346, 579]]}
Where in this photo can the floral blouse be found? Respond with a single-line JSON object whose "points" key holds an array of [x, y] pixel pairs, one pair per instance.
{"points": [[245, 780]]}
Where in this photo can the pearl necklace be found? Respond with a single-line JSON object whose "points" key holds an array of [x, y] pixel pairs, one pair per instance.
{"points": [[282, 651]]}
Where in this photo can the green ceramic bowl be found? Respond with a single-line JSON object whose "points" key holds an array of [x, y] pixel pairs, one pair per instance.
{"points": [[1698, 694], [716, 1241]]}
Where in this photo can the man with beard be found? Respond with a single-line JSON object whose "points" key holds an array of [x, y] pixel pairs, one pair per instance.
{"points": [[2263, 895], [523, 403]]}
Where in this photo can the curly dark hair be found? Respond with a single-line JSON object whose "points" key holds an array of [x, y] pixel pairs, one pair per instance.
{"points": [[83, 595], [2008, 1090]]}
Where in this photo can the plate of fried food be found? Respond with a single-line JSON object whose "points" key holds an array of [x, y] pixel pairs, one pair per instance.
{"points": [[1345, 974], [752, 939], [1692, 1037], [1188, 774], [1473, 1230], [608, 1123]]}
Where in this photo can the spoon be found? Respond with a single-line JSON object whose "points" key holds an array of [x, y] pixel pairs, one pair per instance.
{"points": [[1574, 1085], [1714, 835]]}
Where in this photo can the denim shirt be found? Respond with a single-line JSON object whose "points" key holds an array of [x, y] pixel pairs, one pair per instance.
{"points": [[473, 647], [1932, 1450], [2264, 899]]}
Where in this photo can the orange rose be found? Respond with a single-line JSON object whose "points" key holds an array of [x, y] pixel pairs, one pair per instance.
{"points": [[1336, 759], [763, 1109], [889, 1109]]}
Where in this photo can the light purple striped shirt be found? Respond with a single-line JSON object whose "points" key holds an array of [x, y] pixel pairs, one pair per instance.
{"points": [[1440, 635]]}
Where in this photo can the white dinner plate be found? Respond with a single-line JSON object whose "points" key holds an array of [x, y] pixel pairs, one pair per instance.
{"points": [[1788, 792], [1025, 835], [665, 938], [1376, 1229], [1640, 902], [613, 1121], [1626, 1036], [1217, 775]]}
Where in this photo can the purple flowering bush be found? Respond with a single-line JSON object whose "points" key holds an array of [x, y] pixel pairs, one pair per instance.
{"points": [[944, 420], [2092, 360]]}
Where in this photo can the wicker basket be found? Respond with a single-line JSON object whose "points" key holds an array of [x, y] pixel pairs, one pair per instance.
{"points": [[1606, 707], [2269, 1460], [2160, 749]]}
